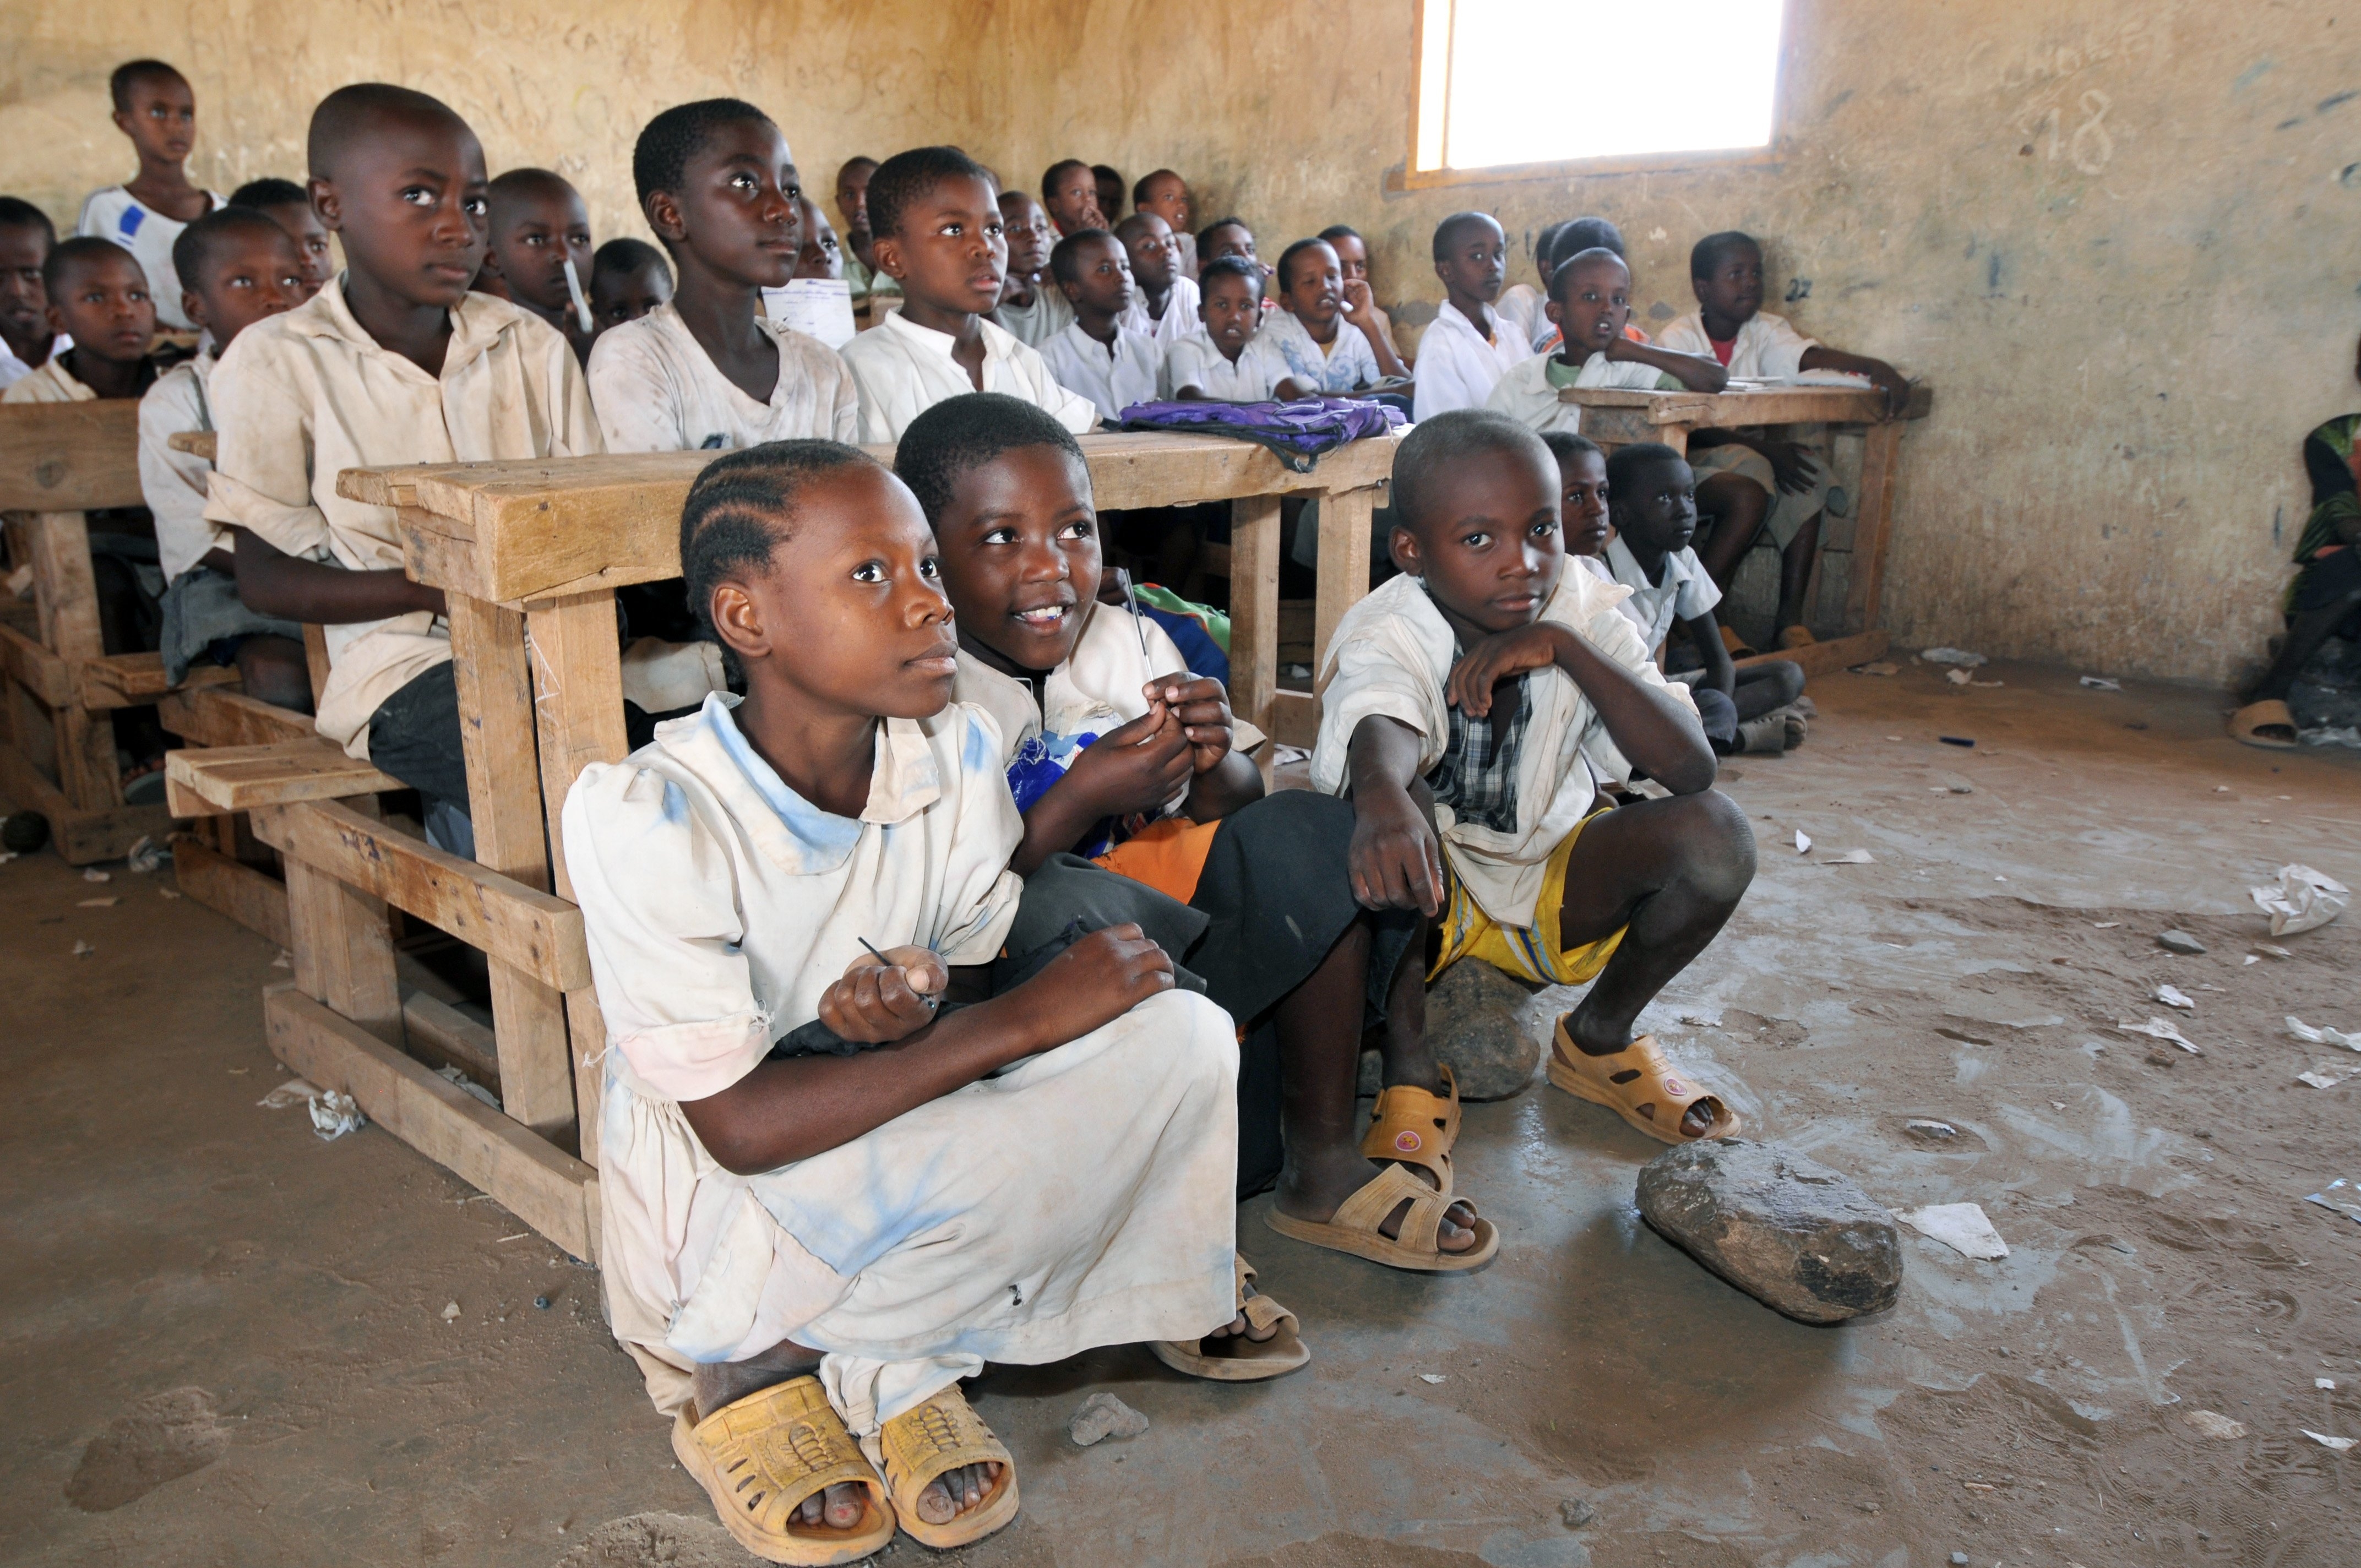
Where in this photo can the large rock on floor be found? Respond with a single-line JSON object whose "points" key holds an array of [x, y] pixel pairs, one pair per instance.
{"points": [[1789, 1231], [1475, 1022]]}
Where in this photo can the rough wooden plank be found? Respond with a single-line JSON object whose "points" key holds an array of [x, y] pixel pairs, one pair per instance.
{"points": [[57, 543], [1872, 524], [70, 457], [521, 926], [1254, 609], [136, 680], [196, 442], [342, 948], [587, 1030], [577, 702], [1770, 405], [544, 1187], [444, 1037], [1344, 576], [231, 887], [34, 668], [1825, 658], [214, 716], [1294, 719], [241, 778]]}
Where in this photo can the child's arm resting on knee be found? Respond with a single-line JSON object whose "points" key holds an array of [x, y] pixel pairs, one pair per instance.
{"points": [[1647, 724], [789, 1110], [1395, 860], [270, 582], [1883, 377]]}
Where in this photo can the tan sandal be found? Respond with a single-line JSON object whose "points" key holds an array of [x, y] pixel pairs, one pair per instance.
{"points": [[1736, 644], [762, 1457], [1637, 1084], [1240, 1358], [943, 1434], [2248, 723], [1796, 637], [1410, 1123], [1354, 1226]]}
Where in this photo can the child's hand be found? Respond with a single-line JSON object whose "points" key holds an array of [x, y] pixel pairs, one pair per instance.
{"points": [[1892, 382], [1360, 305], [1134, 767], [1203, 710], [1495, 659], [1094, 982], [873, 1003], [1793, 467], [1394, 861]]}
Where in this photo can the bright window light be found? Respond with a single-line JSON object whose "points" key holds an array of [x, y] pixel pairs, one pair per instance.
{"points": [[1673, 76]]}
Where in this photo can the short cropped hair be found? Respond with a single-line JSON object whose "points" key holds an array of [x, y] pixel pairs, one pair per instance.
{"points": [[1709, 253], [1147, 182], [525, 182], [667, 144], [1446, 231], [621, 258], [1434, 446], [1050, 176], [1546, 238], [1565, 445], [1106, 171], [15, 212], [1229, 267], [1335, 232], [1205, 235], [77, 250], [1588, 234], [1628, 461], [351, 110], [1286, 259], [269, 192], [744, 504], [905, 177], [960, 434], [131, 71], [197, 242], [1065, 264], [1566, 269]]}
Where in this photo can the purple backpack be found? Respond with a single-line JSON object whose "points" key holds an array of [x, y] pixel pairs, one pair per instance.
{"points": [[1299, 432]]}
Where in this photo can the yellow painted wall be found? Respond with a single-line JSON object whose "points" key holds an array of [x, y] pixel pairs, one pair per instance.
{"points": [[2116, 236]]}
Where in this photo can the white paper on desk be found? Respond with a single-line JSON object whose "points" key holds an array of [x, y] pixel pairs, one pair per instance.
{"points": [[1829, 378], [817, 307]]}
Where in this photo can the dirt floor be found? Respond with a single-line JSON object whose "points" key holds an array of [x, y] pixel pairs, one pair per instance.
{"points": [[226, 1342]]}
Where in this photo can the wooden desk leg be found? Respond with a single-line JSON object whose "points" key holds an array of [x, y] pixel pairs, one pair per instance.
{"points": [[1343, 579], [67, 593], [496, 731], [577, 682], [343, 947], [1675, 436], [1873, 523], [1254, 607]]}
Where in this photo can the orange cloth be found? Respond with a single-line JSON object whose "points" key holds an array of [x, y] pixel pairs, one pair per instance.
{"points": [[1168, 855]]}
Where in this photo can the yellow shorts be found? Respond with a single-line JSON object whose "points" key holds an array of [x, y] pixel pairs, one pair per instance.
{"points": [[1530, 952]]}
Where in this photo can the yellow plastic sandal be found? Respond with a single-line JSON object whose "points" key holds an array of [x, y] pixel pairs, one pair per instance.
{"points": [[943, 1434], [1412, 1125], [1641, 1086], [760, 1457]]}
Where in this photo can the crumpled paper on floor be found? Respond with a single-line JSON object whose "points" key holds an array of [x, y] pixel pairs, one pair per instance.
{"points": [[1952, 656], [2341, 1196], [2160, 1029], [2323, 1036], [293, 1091], [1963, 1227], [333, 1114], [2304, 900]]}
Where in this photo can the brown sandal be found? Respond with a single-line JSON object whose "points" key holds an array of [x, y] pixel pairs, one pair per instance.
{"points": [[1636, 1083], [1353, 1228], [1240, 1358], [762, 1457], [1410, 1123]]}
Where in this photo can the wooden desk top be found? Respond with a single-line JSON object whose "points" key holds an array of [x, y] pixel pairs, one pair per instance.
{"points": [[1770, 405], [490, 530], [70, 457]]}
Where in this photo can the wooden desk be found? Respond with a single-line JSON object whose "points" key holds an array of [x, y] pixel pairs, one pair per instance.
{"points": [[1616, 419]]}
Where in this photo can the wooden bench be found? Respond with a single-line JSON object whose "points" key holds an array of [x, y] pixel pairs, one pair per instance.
{"points": [[1614, 418]]}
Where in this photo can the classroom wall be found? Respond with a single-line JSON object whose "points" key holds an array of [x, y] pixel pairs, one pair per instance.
{"points": [[2116, 236]]}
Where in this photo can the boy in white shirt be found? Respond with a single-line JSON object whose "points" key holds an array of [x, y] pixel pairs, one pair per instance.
{"points": [[1470, 707], [1524, 304], [1098, 356], [1753, 480], [394, 363], [1032, 307], [27, 237], [240, 267], [1465, 350], [1308, 329], [839, 1177], [938, 225], [1164, 306], [1590, 298], [156, 107], [287, 205], [1230, 358], [540, 223]]}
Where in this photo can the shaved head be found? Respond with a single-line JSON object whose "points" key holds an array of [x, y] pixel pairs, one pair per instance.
{"points": [[350, 114]]}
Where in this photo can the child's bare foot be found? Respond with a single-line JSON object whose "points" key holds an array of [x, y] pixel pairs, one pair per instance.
{"points": [[944, 1498], [1315, 1189], [1238, 1325], [725, 1383]]}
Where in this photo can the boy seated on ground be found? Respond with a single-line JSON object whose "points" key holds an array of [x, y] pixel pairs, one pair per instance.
{"points": [[1308, 329], [1116, 752], [368, 373], [1590, 298], [839, 1175], [628, 278], [1165, 194], [1032, 308], [238, 267], [284, 202], [1164, 301], [540, 227], [1467, 350], [1353, 262], [1469, 709], [1653, 501], [157, 109], [1229, 358], [1069, 193], [939, 236], [1749, 481], [26, 236], [1097, 355]]}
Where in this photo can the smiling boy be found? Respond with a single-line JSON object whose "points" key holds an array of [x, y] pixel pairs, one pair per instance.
{"points": [[1589, 302], [940, 237], [26, 236], [1098, 356], [1470, 708], [1467, 350], [539, 224], [157, 109]]}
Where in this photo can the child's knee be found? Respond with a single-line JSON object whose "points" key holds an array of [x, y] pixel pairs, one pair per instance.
{"points": [[1717, 843], [1193, 1035], [1790, 677]]}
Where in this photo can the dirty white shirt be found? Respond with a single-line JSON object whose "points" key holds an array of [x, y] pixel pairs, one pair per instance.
{"points": [[1344, 364], [174, 482], [1458, 365], [13, 367], [49, 382], [1528, 307], [1036, 324], [1390, 656], [1112, 376], [1529, 393], [116, 214], [902, 371], [1767, 349], [1687, 592], [656, 390], [300, 398], [1197, 361], [1179, 320]]}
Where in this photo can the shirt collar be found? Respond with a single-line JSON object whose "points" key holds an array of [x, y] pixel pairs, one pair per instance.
{"points": [[1628, 571], [477, 322], [926, 339]]}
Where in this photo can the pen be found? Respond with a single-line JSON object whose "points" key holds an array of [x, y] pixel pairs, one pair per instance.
{"points": [[889, 963]]}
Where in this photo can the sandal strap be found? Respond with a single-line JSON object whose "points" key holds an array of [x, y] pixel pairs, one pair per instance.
{"points": [[1367, 1208], [940, 1435], [1258, 1309], [1660, 1082], [1413, 1124], [776, 1447]]}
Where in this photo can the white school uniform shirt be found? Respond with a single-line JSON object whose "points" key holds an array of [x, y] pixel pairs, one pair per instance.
{"points": [[116, 214], [1527, 393], [1528, 307], [302, 397], [1458, 368], [1768, 348], [1035, 324], [51, 382], [1197, 361], [174, 482], [1112, 376], [656, 390], [1686, 593], [903, 369], [1390, 656], [1179, 320], [13, 367], [1344, 363]]}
